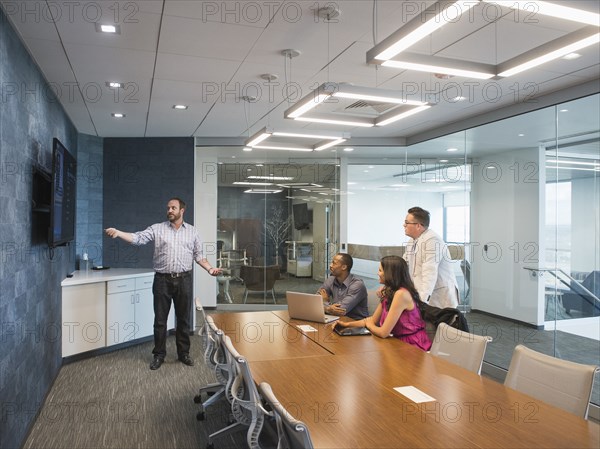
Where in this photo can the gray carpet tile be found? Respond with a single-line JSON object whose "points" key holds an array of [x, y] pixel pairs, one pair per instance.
{"points": [[115, 401]]}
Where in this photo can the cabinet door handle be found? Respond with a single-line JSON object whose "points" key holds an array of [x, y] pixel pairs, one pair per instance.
{"points": [[132, 299], [137, 298]]}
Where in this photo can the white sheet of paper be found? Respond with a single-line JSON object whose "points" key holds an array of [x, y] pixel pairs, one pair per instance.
{"points": [[306, 328], [414, 394]]}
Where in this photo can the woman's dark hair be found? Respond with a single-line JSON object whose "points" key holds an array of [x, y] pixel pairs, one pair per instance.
{"points": [[395, 277]]}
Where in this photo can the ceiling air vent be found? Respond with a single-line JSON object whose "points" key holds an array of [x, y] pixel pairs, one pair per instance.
{"points": [[369, 106]]}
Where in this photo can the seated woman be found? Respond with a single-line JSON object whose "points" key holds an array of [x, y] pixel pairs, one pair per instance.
{"points": [[397, 313]]}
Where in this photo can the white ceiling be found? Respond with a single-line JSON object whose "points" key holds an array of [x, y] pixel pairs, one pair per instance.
{"points": [[208, 55]]}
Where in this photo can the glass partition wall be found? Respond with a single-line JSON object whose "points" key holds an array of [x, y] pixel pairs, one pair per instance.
{"points": [[277, 226], [517, 201]]}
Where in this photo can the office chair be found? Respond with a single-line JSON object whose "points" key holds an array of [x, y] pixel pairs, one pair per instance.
{"points": [[291, 433], [259, 279], [465, 267], [458, 347], [558, 382], [246, 405], [214, 357]]}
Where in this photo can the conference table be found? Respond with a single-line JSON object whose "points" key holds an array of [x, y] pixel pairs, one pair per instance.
{"points": [[343, 389]]}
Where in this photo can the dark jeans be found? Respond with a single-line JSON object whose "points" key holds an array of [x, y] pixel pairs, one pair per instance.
{"points": [[179, 290]]}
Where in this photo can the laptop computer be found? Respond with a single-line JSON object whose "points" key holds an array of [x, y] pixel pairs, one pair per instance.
{"points": [[308, 307]]}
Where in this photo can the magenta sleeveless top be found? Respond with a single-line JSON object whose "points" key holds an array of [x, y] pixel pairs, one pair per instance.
{"points": [[409, 328]]}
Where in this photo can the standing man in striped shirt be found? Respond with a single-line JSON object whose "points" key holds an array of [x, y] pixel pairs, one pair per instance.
{"points": [[177, 246]]}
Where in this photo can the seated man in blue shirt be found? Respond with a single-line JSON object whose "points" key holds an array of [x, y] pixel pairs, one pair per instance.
{"points": [[344, 293]]}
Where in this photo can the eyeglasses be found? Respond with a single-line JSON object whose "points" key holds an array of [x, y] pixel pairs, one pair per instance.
{"points": [[406, 223]]}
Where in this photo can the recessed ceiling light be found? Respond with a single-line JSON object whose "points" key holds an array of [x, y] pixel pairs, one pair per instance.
{"points": [[180, 106], [115, 85], [348, 149], [443, 161], [459, 98], [108, 28], [247, 149], [118, 115], [521, 135], [564, 110], [571, 56], [452, 150]]}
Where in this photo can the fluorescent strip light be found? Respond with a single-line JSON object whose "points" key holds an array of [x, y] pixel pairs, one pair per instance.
{"points": [[307, 136], [557, 167], [262, 191], [311, 103], [553, 10], [555, 54], [329, 144], [377, 98], [272, 178], [562, 161], [436, 69], [245, 183], [397, 117], [258, 137], [334, 122], [417, 29], [265, 147]]}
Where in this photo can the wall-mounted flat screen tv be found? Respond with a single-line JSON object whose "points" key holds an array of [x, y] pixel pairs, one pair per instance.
{"points": [[302, 217], [62, 208]]}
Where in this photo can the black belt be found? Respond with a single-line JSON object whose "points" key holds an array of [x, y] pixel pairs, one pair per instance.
{"points": [[175, 275]]}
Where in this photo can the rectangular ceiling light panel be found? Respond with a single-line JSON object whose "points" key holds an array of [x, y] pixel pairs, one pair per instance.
{"points": [[391, 51]]}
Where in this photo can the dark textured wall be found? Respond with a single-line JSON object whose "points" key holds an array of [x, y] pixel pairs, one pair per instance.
{"points": [[140, 176], [30, 294], [89, 198]]}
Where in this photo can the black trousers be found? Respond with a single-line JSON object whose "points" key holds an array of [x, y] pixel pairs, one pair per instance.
{"points": [[179, 290]]}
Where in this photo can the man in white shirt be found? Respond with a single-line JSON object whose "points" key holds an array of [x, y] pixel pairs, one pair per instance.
{"points": [[428, 261]]}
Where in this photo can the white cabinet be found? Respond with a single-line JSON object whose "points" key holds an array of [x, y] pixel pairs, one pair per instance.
{"points": [[120, 311], [130, 310], [102, 309], [83, 318]]}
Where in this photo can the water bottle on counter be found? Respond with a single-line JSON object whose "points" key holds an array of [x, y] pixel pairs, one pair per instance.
{"points": [[85, 263]]}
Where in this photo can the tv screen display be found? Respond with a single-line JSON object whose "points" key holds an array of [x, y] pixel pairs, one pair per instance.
{"points": [[301, 216], [62, 208]]}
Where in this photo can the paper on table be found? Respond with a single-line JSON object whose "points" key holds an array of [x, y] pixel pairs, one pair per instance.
{"points": [[414, 394], [306, 328]]}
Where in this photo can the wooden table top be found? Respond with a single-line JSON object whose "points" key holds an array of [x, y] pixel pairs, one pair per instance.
{"points": [[349, 401], [326, 337], [263, 336]]}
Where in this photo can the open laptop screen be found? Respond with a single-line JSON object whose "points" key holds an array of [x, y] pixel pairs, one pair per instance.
{"points": [[308, 307]]}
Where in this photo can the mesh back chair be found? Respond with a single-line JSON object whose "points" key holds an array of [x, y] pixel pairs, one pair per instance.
{"points": [[291, 433], [259, 279], [564, 384], [214, 356], [458, 347], [246, 407]]}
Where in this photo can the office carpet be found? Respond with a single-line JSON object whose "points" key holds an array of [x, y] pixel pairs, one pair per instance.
{"points": [[115, 401]]}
